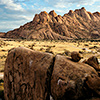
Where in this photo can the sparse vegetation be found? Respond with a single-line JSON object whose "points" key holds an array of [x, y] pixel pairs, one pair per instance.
{"points": [[50, 46], [84, 47]]}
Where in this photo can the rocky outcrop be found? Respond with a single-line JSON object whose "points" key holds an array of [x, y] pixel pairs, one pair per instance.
{"points": [[27, 75], [75, 56], [93, 61], [41, 76], [2, 34], [72, 25], [69, 80]]}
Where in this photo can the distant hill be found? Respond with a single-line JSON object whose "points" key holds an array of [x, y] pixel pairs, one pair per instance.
{"points": [[72, 25]]}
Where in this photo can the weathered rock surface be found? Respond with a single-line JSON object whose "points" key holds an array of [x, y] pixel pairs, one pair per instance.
{"points": [[32, 75], [26, 75], [69, 80], [72, 25], [75, 56], [93, 61], [2, 34]]}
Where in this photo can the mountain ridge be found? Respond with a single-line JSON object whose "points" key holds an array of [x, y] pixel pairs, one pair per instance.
{"points": [[72, 25]]}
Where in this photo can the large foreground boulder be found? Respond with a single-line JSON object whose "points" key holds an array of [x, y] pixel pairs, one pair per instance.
{"points": [[26, 75], [73, 80], [32, 75]]}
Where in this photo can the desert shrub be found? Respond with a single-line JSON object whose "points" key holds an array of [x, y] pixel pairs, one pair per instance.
{"points": [[31, 48], [42, 49], [81, 52], [86, 45], [93, 47], [3, 56], [49, 50], [3, 50], [83, 48], [1, 80], [98, 50]]}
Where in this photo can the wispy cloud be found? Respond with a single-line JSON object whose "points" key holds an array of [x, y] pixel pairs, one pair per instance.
{"points": [[12, 15], [64, 3], [9, 4]]}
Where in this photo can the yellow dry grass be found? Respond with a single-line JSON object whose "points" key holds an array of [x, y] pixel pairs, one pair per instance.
{"points": [[57, 47]]}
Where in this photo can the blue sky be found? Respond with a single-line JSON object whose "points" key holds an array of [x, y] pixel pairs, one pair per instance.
{"points": [[14, 13]]}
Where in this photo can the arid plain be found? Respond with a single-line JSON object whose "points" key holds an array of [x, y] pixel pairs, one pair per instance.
{"points": [[85, 48]]}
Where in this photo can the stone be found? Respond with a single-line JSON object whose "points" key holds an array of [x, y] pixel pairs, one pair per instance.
{"points": [[75, 56], [69, 80], [93, 61], [2, 34], [93, 82], [27, 74]]}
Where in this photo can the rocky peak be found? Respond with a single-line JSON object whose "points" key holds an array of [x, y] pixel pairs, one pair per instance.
{"points": [[44, 13], [36, 18], [42, 17], [83, 8], [74, 24], [77, 10], [96, 13], [71, 13], [92, 16], [53, 13], [83, 13]]}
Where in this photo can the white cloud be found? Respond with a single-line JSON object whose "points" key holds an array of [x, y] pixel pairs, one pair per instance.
{"points": [[32, 6], [60, 5], [9, 4], [61, 12], [9, 25], [46, 0], [78, 5], [64, 3], [24, 4]]}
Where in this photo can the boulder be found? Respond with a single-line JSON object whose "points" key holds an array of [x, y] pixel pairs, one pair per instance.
{"points": [[69, 80], [93, 83], [75, 56], [27, 75], [93, 61]]}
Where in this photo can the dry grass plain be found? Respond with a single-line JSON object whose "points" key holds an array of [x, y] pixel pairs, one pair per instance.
{"points": [[86, 48]]}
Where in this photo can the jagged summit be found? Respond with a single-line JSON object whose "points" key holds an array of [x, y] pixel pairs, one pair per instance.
{"points": [[53, 13], [72, 25]]}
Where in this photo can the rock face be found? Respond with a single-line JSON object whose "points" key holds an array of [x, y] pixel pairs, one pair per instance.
{"points": [[2, 34], [75, 56], [93, 61], [31, 75], [73, 25], [69, 80], [27, 75]]}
